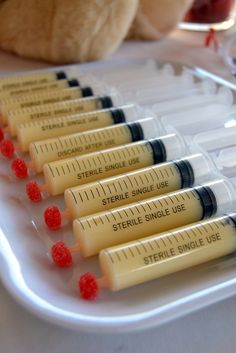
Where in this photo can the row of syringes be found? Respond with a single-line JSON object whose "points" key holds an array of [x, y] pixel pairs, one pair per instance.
{"points": [[125, 178]]}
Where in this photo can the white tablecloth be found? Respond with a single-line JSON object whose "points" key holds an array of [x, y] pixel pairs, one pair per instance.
{"points": [[210, 330]]}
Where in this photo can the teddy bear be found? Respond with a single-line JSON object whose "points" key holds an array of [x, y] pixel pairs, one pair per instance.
{"points": [[62, 32]]}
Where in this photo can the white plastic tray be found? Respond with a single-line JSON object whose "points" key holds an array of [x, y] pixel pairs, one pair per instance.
{"points": [[52, 295]]}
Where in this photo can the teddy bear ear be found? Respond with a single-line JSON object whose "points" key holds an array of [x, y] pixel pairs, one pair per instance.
{"points": [[65, 31], [155, 19]]}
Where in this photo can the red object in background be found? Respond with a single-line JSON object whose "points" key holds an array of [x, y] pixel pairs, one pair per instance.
{"points": [[209, 11]]}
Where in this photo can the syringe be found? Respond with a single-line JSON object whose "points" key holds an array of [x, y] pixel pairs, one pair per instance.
{"points": [[139, 219], [30, 79], [60, 175], [54, 127], [75, 91], [51, 150], [114, 98], [130, 187], [75, 106], [139, 261], [38, 89]]}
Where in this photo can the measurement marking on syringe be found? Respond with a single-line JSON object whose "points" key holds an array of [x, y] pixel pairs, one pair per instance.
{"points": [[118, 256], [170, 241], [72, 163], [124, 253], [123, 152], [176, 198], [167, 173], [222, 223], [205, 228], [199, 230], [145, 176], [131, 252], [102, 188], [68, 168], [74, 196], [36, 148], [176, 238], [138, 251], [170, 198], [51, 171], [87, 221], [162, 240], [57, 171], [91, 192], [162, 175], [217, 226], [119, 213], [84, 165], [94, 221], [112, 215], [63, 170], [132, 211], [101, 219], [186, 232], [86, 195], [180, 235], [137, 209], [154, 205], [109, 254], [98, 192], [150, 245], [143, 246], [212, 228], [126, 213], [156, 242]]}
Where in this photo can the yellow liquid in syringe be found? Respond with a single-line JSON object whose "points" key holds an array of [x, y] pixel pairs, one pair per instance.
{"points": [[124, 189], [54, 127], [38, 78], [162, 254], [48, 86], [51, 86], [56, 110], [143, 218], [34, 100], [60, 175], [70, 172], [79, 144]]}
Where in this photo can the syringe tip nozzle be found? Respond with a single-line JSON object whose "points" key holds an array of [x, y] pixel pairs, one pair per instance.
{"points": [[88, 286], [33, 191], [1, 134], [19, 168], [7, 148], [52, 218], [61, 255]]}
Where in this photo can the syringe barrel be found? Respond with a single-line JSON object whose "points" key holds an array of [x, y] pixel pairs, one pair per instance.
{"points": [[161, 254], [139, 219], [60, 175]]}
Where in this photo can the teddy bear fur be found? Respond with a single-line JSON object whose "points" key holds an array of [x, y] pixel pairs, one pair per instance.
{"points": [[62, 31]]}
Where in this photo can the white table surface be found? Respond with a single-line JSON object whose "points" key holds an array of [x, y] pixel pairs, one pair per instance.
{"points": [[210, 330]]}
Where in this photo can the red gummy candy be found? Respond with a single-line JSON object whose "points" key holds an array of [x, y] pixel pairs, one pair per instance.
{"points": [[7, 148], [33, 191], [88, 286], [61, 255], [1, 134], [19, 168], [52, 217]]}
